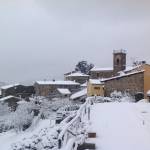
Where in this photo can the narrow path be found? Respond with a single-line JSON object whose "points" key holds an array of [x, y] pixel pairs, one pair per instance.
{"points": [[118, 127]]}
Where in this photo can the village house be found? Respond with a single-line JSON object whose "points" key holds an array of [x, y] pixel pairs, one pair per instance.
{"points": [[119, 64], [77, 77], [51, 88], [95, 88], [80, 95], [17, 90], [11, 101], [135, 81], [63, 93]]}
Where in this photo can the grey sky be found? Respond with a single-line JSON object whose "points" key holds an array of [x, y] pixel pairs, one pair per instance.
{"points": [[45, 38]]}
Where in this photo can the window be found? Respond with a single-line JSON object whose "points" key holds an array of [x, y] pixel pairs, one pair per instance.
{"points": [[118, 61], [97, 74]]}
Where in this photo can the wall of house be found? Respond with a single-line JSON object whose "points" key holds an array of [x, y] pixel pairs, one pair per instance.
{"points": [[78, 79], [146, 79], [145, 67], [51, 90], [93, 90], [12, 103], [100, 74], [41, 90], [132, 83], [19, 90]]}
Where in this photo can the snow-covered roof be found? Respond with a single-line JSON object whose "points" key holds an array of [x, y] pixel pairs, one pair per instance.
{"points": [[148, 93], [9, 86], [77, 74], [95, 81], [123, 75], [102, 69], [57, 83], [120, 51], [137, 67], [22, 102], [79, 94], [6, 98], [130, 68], [64, 91], [84, 84]]}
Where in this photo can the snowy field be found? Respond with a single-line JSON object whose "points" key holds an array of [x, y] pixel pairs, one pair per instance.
{"points": [[121, 126]]}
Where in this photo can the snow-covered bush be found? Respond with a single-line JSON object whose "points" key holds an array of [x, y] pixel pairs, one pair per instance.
{"points": [[4, 109], [22, 117], [121, 97], [45, 139], [127, 99], [45, 109], [4, 113], [116, 95], [25, 113]]}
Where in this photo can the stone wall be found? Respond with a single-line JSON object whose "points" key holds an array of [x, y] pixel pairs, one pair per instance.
{"points": [[51, 90], [132, 83], [19, 90], [100, 74], [78, 79]]}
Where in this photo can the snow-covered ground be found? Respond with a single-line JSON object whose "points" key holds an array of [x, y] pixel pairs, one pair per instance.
{"points": [[8, 139], [121, 126]]}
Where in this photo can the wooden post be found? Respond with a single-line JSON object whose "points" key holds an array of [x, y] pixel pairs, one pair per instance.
{"points": [[88, 113], [59, 144]]}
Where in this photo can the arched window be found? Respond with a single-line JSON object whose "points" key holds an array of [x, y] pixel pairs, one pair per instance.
{"points": [[118, 61]]}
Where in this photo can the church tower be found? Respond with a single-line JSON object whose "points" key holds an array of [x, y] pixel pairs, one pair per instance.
{"points": [[119, 60]]}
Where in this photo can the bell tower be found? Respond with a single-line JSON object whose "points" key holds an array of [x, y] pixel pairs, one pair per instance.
{"points": [[119, 60]]}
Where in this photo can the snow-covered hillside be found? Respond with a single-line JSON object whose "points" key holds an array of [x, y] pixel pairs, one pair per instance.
{"points": [[118, 125]]}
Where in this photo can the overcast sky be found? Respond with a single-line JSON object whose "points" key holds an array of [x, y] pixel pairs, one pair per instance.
{"points": [[43, 39]]}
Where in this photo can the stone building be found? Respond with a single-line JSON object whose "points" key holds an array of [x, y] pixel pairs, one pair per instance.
{"points": [[17, 90], [99, 73], [133, 81], [50, 88], [119, 64], [11, 101], [80, 95], [63, 93], [77, 77], [95, 88]]}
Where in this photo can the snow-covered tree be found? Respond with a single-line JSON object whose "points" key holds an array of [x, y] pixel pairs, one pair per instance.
{"points": [[4, 115], [22, 117], [84, 67], [122, 97], [137, 63], [116, 94], [4, 109]]}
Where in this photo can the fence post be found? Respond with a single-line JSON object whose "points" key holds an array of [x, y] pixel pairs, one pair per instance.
{"points": [[88, 113], [59, 143]]}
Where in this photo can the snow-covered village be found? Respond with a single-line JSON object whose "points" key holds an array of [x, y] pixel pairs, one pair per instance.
{"points": [[75, 75], [92, 108]]}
